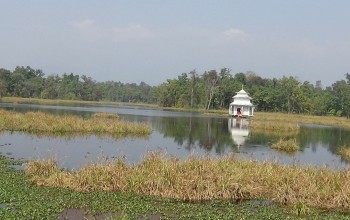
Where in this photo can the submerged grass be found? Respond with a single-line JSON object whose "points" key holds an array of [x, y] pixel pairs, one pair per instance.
{"points": [[39, 122], [289, 145], [203, 179], [105, 115], [279, 129]]}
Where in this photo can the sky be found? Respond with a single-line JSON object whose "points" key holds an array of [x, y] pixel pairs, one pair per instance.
{"points": [[151, 41]]}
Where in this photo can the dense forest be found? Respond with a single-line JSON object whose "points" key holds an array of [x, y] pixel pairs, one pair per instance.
{"points": [[209, 90]]}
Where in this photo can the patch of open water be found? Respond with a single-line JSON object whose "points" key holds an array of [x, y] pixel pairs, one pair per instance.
{"points": [[178, 134]]}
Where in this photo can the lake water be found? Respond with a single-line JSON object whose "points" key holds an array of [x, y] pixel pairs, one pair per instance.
{"points": [[179, 134]]}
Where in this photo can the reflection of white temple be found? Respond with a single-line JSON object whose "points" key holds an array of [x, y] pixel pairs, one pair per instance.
{"points": [[239, 130], [241, 105]]}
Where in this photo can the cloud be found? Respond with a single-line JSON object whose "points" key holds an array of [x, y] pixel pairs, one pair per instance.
{"points": [[85, 24], [93, 31], [234, 34], [132, 32]]}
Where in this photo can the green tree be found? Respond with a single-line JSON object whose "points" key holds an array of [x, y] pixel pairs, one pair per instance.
{"points": [[4, 81], [288, 87], [341, 91], [51, 85], [212, 80]]}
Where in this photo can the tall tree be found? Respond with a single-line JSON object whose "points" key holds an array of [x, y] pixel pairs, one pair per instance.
{"points": [[211, 78], [194, 80], [288, 88]]}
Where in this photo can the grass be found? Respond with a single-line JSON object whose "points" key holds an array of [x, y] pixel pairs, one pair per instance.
{"points": [[304, 119], [105, 115], [279, 129], [205, 179], [39, 122], [289, 145], [344, 152], [20, 199], [19, 100]]}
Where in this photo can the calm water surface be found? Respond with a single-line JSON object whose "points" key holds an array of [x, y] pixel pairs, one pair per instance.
{"points": [[178, 134]]}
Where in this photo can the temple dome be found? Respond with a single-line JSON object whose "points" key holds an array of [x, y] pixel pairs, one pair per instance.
{"points": [[242, 98]]}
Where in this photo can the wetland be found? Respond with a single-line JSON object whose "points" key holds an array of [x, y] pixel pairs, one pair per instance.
{"points": [[178, 134], [203, 147]]}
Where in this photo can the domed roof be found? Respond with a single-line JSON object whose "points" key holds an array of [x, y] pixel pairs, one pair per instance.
{"points": [[242, 94]]}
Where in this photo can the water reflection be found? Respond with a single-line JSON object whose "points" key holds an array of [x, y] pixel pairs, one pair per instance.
{"points": [[238, 127], [177, 133]]}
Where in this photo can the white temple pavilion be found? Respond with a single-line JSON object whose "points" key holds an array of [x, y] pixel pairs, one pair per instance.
{"points": [[241, 105]]}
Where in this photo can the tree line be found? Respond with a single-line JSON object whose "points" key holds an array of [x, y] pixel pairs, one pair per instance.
{"points": [[208, 90]]}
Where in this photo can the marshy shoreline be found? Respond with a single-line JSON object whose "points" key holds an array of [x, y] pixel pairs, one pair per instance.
{"points": [[21, 198], [167, 187]]}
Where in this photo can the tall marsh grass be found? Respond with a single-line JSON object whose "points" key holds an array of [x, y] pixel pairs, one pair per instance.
{"points": [[289, 145], [305, 119], [344, 152], [200, 179], [68, 102], [275, 128], [39, 122]]}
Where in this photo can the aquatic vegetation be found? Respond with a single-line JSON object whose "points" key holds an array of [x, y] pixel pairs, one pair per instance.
{"points": [[279, 128], [203, 179], [105, 115], [67, 102], [344, 153], [39, 122], [299, 118], [289, 145], [20, 199]]}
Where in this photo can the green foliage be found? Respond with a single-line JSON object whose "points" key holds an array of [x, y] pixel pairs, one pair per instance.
{"points": [[209, 90]]}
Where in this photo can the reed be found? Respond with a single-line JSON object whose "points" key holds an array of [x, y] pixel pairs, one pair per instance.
{"points": [[105, 115], [39, 122], [344, 152], [278, 128], [68, 102], [201, 179], [305, 119], [289, 145]]}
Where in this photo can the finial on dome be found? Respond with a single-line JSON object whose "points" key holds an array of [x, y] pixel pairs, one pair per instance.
{"points": [[242, 86]]}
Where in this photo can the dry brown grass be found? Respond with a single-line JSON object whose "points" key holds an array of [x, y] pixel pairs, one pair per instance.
{"points": [[105, 115], [199, 179], [68, 102], [306, 119], [275, 128], [344, 152], [289, 145], [39, 122]]}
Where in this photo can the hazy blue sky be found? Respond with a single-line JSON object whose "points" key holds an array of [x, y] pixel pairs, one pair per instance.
{"points": [[155, 40]]}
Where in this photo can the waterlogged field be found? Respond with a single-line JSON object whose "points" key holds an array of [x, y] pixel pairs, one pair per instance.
{"points": [[192, 178], [20, 199]]}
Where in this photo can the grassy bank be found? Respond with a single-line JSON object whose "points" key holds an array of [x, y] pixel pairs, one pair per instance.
{"points": [[18, 100], [20, 199], [39, 122], [305, 119], [203, 179]]}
